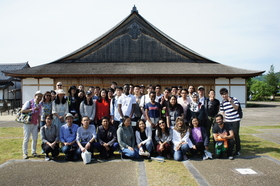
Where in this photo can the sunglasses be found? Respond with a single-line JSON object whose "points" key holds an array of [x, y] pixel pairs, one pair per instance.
{"points": [[59, 85], [48, 95], [70, 130], [161, 123]]}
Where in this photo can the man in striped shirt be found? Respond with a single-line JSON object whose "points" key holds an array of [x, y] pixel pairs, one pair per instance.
{"points": [[229, 107]]}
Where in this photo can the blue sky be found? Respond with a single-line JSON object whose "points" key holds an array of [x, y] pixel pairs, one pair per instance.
{"points": [[243, 34]]}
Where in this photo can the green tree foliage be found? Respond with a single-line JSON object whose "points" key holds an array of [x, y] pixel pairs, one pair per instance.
{"points": [[259, 89], [272, 81]]}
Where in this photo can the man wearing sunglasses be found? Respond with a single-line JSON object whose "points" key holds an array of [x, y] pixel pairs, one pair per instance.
{"points": [[68, 134], [58, 86]]}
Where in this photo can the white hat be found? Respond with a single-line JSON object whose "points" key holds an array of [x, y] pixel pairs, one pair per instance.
{"points": [[68, 115], [38, 92], [60, 91]]}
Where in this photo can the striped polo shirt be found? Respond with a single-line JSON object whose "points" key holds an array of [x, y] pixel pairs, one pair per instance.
{"points": [[231, 115]]}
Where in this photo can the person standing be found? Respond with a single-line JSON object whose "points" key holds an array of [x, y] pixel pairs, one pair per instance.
{"points": [[184, 101], [34, 107], [114, 113], [229, 107], [126, 104], [212, 106], [59, 108]]}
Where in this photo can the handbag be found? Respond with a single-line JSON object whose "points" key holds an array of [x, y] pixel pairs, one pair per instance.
{"points": [[86, 156], [23, 117]]}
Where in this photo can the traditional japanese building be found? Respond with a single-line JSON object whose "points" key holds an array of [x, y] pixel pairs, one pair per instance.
{"points": [[134, 51], [10, 87]]}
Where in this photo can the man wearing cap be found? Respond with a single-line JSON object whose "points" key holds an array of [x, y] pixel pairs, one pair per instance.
{"points": [[34, 107], [59, 108], [68, 134], [223, 136]]}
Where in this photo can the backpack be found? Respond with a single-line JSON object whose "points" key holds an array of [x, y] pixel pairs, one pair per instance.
{"points": [[239, 111]]}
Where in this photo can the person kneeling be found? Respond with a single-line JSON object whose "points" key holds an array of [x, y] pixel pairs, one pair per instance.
{"points": [[85, 136], [126, 139], [68, 133], [50, 138], [144, 138], [223, 136], [107, 139], [181, 140]]}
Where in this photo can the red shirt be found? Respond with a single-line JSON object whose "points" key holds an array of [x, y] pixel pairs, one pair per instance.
{"points": [[102, 109]]}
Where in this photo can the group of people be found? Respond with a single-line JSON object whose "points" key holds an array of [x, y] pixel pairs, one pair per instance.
{"points": [[173, 123]]}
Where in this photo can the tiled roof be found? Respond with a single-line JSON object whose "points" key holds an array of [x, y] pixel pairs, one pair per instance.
{"points": [[11, 67]]}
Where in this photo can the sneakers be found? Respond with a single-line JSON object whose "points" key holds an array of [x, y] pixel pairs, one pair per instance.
{"points": [[47, 158], [185, 157], [142, 153], [35, 154], [25, 157], [237, 154], [230, 157]]}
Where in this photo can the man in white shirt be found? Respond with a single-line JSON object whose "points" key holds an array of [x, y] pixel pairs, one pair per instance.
{"points": [[184, 101], [126, 104], [114, 113]]}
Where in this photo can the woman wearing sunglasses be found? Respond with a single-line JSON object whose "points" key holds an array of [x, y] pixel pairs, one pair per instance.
{"points": [[163, 137]]}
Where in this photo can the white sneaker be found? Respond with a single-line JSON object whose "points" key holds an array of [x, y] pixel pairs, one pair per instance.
{"points": [[141, 153], [47, 158], [25, 157], [230, 158], [146, 153]]}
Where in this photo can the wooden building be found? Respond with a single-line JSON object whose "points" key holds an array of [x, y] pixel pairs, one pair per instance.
{"points": [[134, 51]]}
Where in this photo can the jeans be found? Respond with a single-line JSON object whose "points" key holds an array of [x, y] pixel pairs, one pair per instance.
{"points": [[70, 152], [178, 155], [91, 148], [148, 146], [130, 153], [235, 127], [29, 129], [103, 152]]}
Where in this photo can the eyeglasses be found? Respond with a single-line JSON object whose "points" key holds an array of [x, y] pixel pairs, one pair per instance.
{"points": [[161, 123], [70, 130], [59, 85]]}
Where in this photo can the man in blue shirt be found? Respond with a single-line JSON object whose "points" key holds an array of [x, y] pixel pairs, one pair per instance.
{"points": [[68, 133]]}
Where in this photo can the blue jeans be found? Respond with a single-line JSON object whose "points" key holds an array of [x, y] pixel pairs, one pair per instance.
{"points": [[178, 155], [148, 146], [92, 145], [130, 153], [70, 152]]}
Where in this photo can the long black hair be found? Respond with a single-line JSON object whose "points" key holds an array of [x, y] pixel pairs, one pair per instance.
{"points": [[100, 98], [166, 130]]}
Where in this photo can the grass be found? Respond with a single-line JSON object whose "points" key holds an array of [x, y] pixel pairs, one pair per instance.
{"points": [[169, 172]]}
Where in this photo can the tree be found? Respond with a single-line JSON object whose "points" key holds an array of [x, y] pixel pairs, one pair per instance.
{"points": [[259, 89], [272, 81]]}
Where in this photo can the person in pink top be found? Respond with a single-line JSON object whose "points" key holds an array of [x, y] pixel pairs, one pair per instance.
{"points": [[34, 107]]}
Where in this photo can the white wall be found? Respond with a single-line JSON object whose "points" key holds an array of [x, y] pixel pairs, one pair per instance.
{"points": [[1, 94], [235, 86], [30, 86]]}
